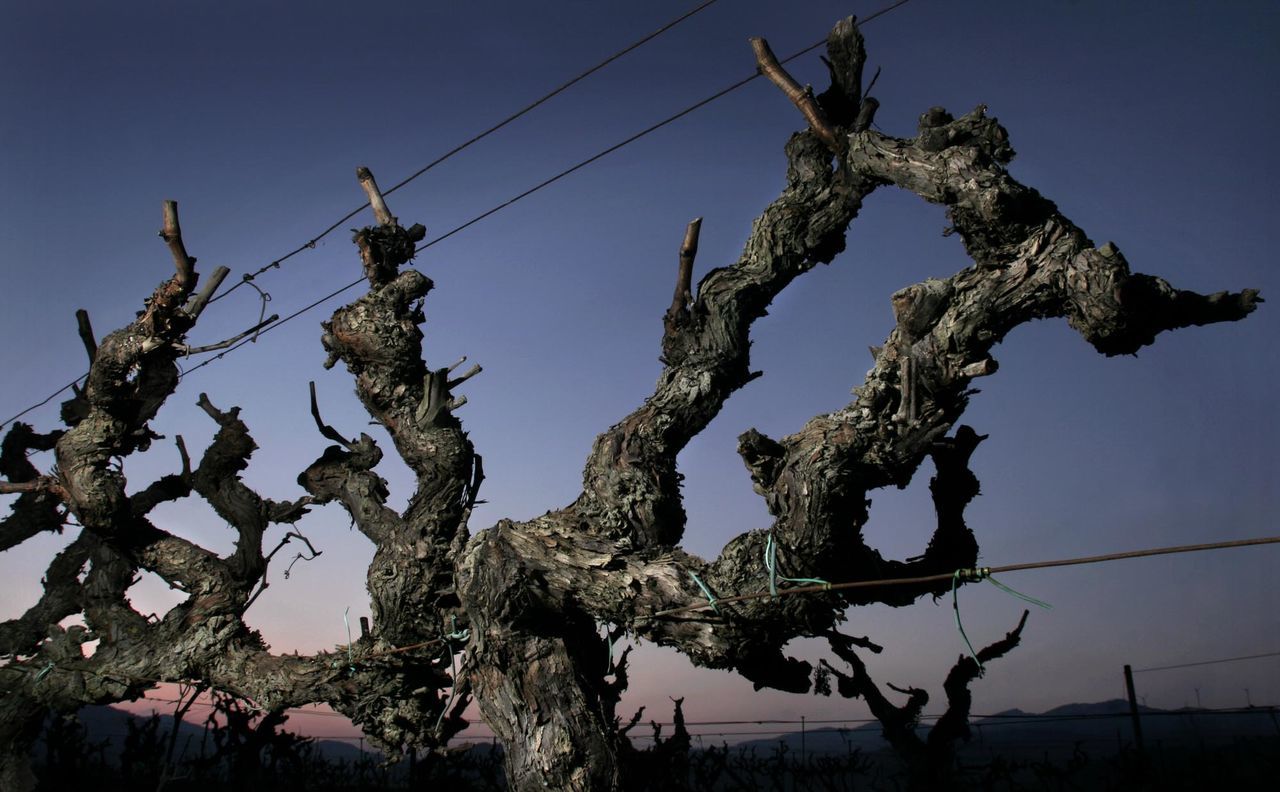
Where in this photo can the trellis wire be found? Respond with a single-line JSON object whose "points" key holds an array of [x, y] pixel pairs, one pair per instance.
{"points": [[946, 576]]}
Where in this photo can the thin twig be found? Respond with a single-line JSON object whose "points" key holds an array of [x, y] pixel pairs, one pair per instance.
{"points": [[325, 429], [301, 557], [188, 351], [295, 534], [265, 584]]}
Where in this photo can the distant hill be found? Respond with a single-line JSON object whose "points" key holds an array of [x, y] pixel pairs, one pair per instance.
{"points": [[1101, 727]]}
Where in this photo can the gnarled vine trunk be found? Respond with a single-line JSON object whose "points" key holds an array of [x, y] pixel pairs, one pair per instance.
{"points": [[509, 616]]}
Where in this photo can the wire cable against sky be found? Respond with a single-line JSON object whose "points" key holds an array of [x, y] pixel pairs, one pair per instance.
{"points": [[46, 400], [654, 128], [951, 576], [310, 244], [546, 183], [494, 210], [1208, 662], [537, 187]]}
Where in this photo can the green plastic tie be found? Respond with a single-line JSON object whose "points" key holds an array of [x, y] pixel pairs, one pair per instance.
{"points": [[611, 644], [453, 686], [449, 638], [1018, 594], [44, 671], [972, 576], [351, 661], [955, 604], [457, 635], [771, 564], [826, 584], [711, 599]]}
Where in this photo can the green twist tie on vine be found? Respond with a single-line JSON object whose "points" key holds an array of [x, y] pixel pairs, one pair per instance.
{"points": [[611, 644], [453, 686], [826, 584], [44, 671], [448, 638], [974, 575], [771, 564], [956, 577], [351, 661], [1018, 594], [711, 598], [457, 635]]}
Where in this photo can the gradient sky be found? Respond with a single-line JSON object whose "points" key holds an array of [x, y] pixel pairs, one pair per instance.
{"points": [[1149, 123]]}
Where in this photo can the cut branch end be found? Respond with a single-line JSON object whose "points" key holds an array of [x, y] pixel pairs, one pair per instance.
{"points": [[380, 210], [171, 233], [803, 99], [683, 296], [471, 372], [86, 334]]}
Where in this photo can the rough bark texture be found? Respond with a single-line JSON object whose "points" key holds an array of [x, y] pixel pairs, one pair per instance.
{"points": [[511, 614]]}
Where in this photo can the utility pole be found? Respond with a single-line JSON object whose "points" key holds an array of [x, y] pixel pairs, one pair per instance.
{"points": [[1133, 708], [804, 753], [802, 775]]}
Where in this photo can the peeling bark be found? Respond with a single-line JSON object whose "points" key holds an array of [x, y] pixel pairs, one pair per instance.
{"points": [[511, 614]]}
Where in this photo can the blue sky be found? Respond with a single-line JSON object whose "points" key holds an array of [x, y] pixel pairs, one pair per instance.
{"points": [[1149, 123]]}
